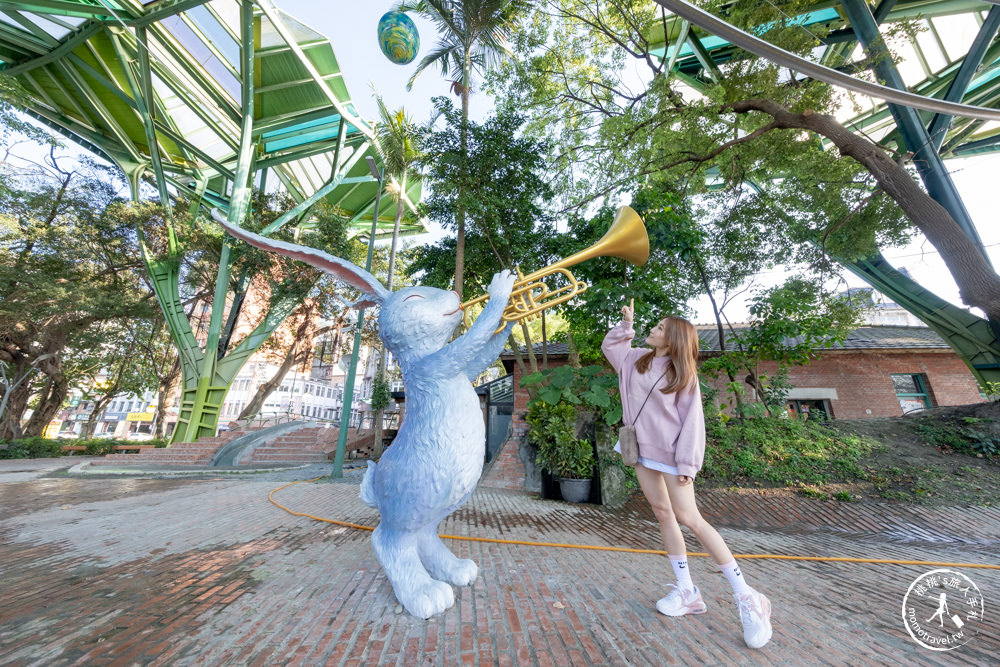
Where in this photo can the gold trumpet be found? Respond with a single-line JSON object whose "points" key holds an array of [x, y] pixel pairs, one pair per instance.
{"points": [[626, 239]]}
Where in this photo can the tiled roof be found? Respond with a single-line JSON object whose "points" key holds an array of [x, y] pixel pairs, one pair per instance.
{"points": [[872, 337], [555, 349], [863, 338]]}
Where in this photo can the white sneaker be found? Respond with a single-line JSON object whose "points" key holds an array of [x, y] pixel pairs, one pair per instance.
{"points": [[680, 602], [755, 613]]}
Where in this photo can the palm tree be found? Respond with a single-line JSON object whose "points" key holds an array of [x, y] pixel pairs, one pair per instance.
{"points": [[473, 36], [397, 141]]}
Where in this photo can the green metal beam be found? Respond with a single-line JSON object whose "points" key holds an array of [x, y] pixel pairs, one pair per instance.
{"points": [[279, 25], [142, 91], [970, 65], [69, 44], [76, 9], [97, 107], [312, 199], [309, 150]]}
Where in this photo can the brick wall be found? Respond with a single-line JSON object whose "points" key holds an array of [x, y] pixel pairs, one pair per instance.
{"points": [[863, 384], [507, 471]]}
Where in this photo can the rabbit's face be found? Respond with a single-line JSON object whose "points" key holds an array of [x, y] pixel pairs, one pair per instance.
{"points": [[417, 321]]}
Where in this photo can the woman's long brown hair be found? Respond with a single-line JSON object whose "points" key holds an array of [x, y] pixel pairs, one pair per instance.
{"points": [[682, 346]]}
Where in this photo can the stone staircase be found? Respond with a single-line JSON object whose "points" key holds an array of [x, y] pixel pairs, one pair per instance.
{"points": [[181, 453], [315, 444]]}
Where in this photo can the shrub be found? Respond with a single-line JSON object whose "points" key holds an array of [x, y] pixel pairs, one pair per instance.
{"points": [[41, 448], [32, 448], [781, 451]]}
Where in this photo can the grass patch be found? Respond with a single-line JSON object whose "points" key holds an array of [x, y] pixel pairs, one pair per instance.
{"points": [[972, 436], [784, 452]]}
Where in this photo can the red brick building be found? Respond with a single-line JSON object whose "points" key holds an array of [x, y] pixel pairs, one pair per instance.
{"points": [[879, 371]]}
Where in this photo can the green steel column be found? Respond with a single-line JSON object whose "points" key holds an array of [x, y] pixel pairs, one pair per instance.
{"points": [[345, 410], [207, 400], [926, 159]]}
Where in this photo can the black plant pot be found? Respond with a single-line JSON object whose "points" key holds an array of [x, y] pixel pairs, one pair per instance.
{"points": [[575, 490]]}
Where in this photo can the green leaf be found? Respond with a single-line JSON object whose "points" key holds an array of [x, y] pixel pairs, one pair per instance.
{"points": [[562, 376], [598, 398], [550, 395], [532, 379], [614, 415]]}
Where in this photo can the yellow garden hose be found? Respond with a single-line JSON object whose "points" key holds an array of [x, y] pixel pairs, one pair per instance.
{"points": [[594, 547]]}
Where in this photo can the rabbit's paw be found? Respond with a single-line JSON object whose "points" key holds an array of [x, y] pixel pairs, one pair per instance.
{"points": [[427, 598], [502, 284], [461, 572]]}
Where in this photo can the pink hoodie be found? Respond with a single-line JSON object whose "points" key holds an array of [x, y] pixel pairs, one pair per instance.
{"points": [[671, 428]]}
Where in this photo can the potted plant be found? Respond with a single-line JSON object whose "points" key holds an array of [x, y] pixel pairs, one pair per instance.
{"points": [[560, 452], [575, 467]]}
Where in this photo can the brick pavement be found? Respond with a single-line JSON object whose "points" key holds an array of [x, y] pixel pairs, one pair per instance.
{"points": [[208, 572]]}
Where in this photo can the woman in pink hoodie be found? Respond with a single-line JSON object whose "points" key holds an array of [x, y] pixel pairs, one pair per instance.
{"points": [[661, 397]]}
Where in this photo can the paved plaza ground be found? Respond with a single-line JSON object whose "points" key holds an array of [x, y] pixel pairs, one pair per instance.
{"points": [[206, 571]]}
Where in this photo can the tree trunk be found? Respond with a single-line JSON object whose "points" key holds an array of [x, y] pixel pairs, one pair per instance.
{"points": [[460, 212], [100, 405], [978, 283], [395, 233], [532, 360], [165, 395], [266, 389], [53, 394], [14, 401], [298, 352], [377, 417], [718, 323], [91, 423]]}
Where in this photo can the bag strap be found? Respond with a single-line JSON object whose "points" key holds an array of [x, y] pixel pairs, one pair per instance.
{"points": [[647, 397]]}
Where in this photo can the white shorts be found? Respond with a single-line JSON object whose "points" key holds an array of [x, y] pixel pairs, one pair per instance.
{"points": [[652, 465]]}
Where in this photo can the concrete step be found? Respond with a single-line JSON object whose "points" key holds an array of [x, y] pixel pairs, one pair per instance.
{"points": [[288, 459]]}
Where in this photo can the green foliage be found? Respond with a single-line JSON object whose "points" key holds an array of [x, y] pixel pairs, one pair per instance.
{"points": [[991, 390], [381, 394], [13, 99], [499, 181], [781, 451], [39, 447], [397, 140], [70, 267], [971, 436], [593, 387], [657, 287], [553, 431], [471, 35], [32, 448]]}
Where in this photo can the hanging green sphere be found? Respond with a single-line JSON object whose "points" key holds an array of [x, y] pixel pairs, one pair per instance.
{"points": [[398, 37]]}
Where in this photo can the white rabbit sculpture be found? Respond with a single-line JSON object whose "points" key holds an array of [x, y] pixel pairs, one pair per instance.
{"points": [[436, 459]]}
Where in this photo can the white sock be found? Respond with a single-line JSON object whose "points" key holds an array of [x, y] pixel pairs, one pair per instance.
{"points": [[680, 565], [735, 577]]}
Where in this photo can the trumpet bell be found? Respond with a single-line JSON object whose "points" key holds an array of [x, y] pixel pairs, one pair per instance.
{"points": [[626, 238]]}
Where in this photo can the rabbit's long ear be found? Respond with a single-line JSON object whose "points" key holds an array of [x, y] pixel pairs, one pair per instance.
{"points": [[349, 273]]}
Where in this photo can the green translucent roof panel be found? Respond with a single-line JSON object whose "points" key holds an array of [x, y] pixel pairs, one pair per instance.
{"points": [[78, 62], [930, 60]]}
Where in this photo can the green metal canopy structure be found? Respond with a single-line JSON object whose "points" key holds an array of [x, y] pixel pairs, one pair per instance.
{"points": [[953, 56], [210, 99]]}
